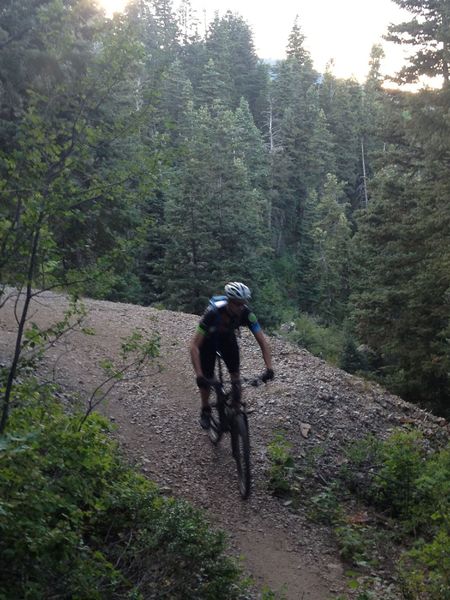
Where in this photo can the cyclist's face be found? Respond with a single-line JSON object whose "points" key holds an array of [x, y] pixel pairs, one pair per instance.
{"points": [[236, 306]]}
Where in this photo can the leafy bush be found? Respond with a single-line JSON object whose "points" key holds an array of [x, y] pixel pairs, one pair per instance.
{"points": [[282, 465], [363, 460], [324, 342], [76, 522], [352, 543], [403, 457], [410, 481], [325, 506], [425, 570]]}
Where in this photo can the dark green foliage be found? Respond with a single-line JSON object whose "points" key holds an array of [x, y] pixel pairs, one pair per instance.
{"points": [[323, 341], [75, 521], [401, 261], [352, 360], [429, 33], [229, 44], [342, 104], [69, 184], [325, 270], [215, 216], [150, 164], [281, 470], [410, 481]]}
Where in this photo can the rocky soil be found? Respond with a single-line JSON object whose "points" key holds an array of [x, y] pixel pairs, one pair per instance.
{"points": [[315, 405]]}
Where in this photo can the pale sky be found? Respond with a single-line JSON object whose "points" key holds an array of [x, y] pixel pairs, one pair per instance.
{"points": [[344, 30]]}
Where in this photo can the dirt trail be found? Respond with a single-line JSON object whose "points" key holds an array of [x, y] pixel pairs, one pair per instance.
{"points": [[157, 425]]}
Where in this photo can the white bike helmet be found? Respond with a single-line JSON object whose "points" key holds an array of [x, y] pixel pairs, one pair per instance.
{"points": [[237, 291]]}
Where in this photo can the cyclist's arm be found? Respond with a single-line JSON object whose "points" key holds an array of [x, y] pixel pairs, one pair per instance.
{"points": [[265, 348], [194, 348]]}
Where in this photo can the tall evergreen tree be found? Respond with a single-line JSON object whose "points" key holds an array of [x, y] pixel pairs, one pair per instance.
{"points": [[329, 266], [294, 116], [212, 89], [230, 45], [372, 115], [429, 32], [341, 101], [69, 182], [214, 218], [400, 294], [295, 48]]}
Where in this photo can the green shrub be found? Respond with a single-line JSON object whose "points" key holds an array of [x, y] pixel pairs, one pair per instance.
{"points": [[76, 522], [324, 342], [385, 473], [281, 470], [403, 457], [433, 491], [363, 460], [411, 482], [352, 542], [351, 359], [325, 506], [425, 570]]}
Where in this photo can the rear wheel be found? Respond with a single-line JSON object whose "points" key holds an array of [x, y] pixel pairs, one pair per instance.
{"points": [[215, 430], [240, 445]]}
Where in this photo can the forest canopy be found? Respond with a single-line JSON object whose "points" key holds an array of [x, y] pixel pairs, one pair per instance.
{"points": [[146, 160]]}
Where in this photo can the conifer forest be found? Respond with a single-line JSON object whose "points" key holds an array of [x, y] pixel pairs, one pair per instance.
{"points": [[147, 159]]}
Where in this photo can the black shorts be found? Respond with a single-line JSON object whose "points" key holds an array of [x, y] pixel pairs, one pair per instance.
{"points": [[229, 349]]}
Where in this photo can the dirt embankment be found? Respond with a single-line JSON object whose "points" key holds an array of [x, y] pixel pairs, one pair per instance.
{"points": [[315, 405]]}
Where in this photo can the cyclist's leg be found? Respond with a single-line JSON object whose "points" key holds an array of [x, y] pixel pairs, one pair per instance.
{"points": [[207, 361]]}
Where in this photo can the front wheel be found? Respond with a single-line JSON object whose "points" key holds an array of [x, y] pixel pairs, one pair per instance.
{"points": [[215, 429], [240, 445]]}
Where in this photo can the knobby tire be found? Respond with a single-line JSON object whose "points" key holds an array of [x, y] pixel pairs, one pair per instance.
{"points": [[240, 445], [215, 429]]}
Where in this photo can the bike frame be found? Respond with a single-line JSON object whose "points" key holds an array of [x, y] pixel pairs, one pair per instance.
{"points": [[226, 407], [232, 418]]}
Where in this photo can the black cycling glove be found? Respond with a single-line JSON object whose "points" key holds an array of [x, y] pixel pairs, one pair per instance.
{"points": [[268, 375], [202, 382]]}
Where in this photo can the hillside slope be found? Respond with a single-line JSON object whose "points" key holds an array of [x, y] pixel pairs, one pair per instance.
{"points": [[157, 425]]}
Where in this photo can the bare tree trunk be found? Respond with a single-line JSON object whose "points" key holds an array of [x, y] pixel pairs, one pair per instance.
{"points": [[271, 141], [22, 321], [366, 200]]}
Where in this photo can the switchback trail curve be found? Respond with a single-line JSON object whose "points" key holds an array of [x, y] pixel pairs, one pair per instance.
{"points": [[157, 426]]}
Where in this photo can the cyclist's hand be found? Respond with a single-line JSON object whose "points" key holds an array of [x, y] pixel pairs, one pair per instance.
{"points": [[268, 375], [202, 382]]}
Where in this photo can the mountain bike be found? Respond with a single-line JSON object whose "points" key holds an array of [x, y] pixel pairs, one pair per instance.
{"points": [[228, 414]]}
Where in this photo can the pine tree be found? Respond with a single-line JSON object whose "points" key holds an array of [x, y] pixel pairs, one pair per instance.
{"points": [[250, 148], [295, 48], [230, 45], [342, 103], [295, 117], [330, 257], [429, 31], [402, 253], [212, 89], [372, 115], [214, 218]]}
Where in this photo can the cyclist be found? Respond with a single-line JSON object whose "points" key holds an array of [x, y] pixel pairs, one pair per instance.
{"points": [[217, 332]]}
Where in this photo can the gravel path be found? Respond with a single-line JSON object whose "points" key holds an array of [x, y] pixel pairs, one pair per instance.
{"points": [[157, 426]]}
